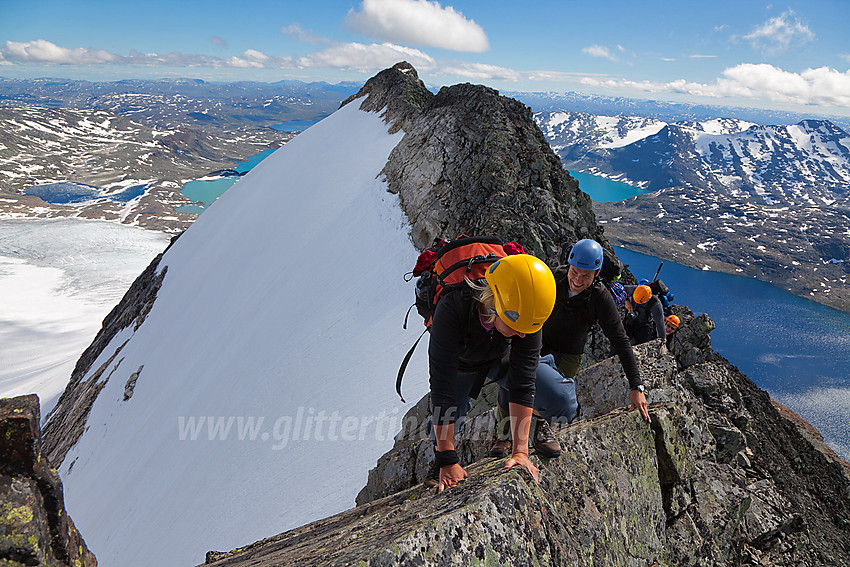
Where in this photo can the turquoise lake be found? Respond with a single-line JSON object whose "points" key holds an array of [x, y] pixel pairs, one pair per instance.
{"points": [[604, 190], [208, 191], [294, 125]]}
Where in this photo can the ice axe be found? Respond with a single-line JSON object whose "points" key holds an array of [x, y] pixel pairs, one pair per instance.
{"points": [[658, 271]]}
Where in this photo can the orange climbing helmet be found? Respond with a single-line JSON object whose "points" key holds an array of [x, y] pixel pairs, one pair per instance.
{"points": [[642, 294]]}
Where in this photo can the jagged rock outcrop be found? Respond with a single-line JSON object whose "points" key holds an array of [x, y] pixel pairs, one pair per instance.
{"points": [[34, 527], [720, 477], [474, 162]]}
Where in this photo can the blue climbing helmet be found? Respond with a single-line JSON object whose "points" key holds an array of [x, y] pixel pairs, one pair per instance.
{"points": [[586, 254]]}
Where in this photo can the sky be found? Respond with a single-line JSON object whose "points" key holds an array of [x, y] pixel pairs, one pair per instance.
{"points": [[792, 55]]}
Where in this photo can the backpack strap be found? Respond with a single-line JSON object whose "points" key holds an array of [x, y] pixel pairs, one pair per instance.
{"points": [[403, 366], [464, 293]]}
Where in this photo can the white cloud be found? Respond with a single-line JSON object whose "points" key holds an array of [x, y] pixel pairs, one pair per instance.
{"points": [[361, 57], [42, 51], [348, 56], [819, 87], [557, 76], [703, 56], [779, 33], [218, 41], [599, 51], [418, 22], [250, 58], [481, 71]]}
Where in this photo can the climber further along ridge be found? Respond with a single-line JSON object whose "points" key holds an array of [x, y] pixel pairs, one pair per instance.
{"points": [[645, 318], [479, 331], [582, 299]]}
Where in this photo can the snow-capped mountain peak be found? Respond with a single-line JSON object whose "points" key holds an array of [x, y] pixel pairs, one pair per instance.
{"points": [[798, 164]]}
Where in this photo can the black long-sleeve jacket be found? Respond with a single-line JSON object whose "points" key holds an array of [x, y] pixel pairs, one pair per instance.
{"points": [[649, 318], [460, 343], [565, 332]]}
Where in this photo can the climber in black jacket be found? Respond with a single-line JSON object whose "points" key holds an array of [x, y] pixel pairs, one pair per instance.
{"points": [[471, 334], [581, 301]]}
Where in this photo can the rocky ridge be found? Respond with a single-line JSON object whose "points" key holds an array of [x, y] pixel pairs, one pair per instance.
{"points": [[720, 477], [474, 162]]}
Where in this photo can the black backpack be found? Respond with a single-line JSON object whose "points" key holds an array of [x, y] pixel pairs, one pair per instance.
{"points": [[612, 267]]}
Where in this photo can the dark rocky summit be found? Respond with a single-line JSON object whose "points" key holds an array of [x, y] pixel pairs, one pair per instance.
{"points": [[474, 162], [34, 527]]}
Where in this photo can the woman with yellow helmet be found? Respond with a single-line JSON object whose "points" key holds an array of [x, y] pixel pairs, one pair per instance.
{"points": [[471, 333]]}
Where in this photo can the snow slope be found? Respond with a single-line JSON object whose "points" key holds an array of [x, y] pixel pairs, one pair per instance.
{"points": [[58, 279], [279, 320]]}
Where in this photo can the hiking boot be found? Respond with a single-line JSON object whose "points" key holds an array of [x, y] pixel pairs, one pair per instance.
{"points": [[544, 440], [500, 448], [432, 479]]}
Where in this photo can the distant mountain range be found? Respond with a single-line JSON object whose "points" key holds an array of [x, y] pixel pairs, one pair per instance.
{"points": [[184, 101], [767, 201], [663, 110]]}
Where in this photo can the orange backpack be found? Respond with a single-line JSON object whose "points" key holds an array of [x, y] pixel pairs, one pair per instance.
{"points": [[445, 267]]}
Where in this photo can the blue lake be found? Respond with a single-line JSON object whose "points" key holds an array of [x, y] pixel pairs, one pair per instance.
{"points": [[69, 193], [604, 190], [796, 349], [294, 125], [208, 191]]}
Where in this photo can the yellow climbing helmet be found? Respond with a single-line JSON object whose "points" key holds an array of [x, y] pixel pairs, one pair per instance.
{"points": [[642, 294], [524, 289]]}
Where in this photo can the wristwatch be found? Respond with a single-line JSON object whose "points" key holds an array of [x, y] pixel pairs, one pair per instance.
{"points": [[640, 389]]}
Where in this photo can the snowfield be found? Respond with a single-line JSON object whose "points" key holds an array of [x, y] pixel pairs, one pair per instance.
{"points": [[266, 368]]}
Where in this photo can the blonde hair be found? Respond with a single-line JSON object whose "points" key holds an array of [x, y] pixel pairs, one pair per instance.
{"points": [[485, 296]]}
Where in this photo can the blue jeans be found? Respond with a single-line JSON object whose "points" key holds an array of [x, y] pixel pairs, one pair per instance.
{"points": [[554, 396]]}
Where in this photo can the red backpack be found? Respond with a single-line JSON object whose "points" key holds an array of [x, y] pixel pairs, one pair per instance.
{"points": [[444, 268]]}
